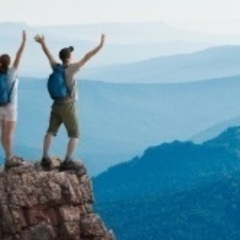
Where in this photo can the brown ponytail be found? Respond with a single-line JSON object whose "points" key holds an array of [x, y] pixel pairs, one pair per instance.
{"points": [[5, 62]]}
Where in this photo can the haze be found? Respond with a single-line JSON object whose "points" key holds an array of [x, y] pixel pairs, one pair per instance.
{"points": [[216, 16]]}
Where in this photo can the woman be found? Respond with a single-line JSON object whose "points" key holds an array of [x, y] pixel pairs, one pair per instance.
{"points": [[8, 109]]}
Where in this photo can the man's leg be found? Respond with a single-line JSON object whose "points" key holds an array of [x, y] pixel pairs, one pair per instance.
{"points": [[71, 147], [54, 124], [47, 144], [70, 120], [46, 161]]}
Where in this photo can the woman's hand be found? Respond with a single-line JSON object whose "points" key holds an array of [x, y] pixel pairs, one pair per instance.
{"points": [[24, 36]]}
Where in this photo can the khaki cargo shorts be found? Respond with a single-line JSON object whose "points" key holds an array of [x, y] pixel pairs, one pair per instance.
{"points": [[64, 113]]}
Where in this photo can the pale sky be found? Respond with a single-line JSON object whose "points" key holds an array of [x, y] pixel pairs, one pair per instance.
{"points": [[221, 16]]}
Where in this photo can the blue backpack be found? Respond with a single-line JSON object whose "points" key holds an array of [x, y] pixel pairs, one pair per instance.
{"points": [[5, 90], [57, 87]]}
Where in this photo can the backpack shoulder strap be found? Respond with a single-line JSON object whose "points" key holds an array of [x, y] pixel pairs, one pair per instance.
{"points": [[3, 72], [11, 88], [59, 67]]}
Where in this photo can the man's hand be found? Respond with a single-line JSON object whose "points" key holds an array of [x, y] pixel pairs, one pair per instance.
{"points": [[90, 54], [40, 39]]}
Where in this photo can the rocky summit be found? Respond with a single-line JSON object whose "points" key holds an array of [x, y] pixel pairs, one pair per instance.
{"points": [[38, 204]]}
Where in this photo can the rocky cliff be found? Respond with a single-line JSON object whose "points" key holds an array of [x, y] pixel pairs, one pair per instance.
{"points": [[36, 204]]}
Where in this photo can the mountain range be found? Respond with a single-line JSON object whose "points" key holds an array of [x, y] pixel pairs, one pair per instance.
{"points": [[178, 55], [151, 84], [211, 63], [179, 190], [124, 43], [170, 167], [118, 121]]}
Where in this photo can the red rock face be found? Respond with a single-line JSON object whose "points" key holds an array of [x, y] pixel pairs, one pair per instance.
{"points": [[48, 205]]}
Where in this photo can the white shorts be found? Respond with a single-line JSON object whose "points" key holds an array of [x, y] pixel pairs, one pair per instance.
{"points": [[8, 113]]}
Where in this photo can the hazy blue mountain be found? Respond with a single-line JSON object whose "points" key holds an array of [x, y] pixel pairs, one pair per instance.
{"points": [[207, 64], [213, 131], [140, 33], [118, 121], [127, 43], [170, 167], [123, 45], [134, 33], [175, 191], [110, 54]]}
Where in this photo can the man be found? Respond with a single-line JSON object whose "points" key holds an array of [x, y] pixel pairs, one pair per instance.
{"points": [[65, 110]]}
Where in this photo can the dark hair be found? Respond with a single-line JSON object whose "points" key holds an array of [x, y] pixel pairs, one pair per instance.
{"points": [[5, 61], [65, 53]]}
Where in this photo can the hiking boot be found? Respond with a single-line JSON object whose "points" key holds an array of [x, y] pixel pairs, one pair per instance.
{"points": [[14, 162], [46, 162], [70, 165]]}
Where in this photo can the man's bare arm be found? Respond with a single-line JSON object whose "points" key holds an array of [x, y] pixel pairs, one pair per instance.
{"points": [[20, 50], [90, 54], [41, 40]]}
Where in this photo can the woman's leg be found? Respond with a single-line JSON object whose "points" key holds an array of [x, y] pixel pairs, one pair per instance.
{"points": [[9, 137], [3, 133]]}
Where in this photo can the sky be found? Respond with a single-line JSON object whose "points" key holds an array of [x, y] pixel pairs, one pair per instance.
{"points": [[219, 16]]}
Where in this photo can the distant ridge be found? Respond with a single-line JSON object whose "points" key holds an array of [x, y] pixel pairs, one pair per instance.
{"points": [[215, 130], [216, 62]]}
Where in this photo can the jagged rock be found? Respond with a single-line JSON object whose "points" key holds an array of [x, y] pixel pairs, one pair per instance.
{"points": [[36, 204]]}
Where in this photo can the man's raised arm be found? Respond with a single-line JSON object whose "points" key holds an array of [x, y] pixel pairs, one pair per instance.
{"points": [[90, 54], [20, 50], [41, 40]]}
